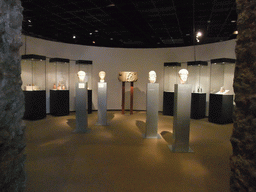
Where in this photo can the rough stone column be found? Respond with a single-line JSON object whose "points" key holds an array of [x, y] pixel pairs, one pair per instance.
{"points": [[243, 140], [12, 175]]}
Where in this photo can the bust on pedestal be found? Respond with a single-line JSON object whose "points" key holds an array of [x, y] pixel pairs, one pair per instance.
{"points": [[152, 107], [102, 100], [181, 119]]}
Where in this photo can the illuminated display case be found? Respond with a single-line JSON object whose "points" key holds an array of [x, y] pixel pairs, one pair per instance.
{"points": [[221, 90], [171, 78], [33, 78], [58, 81], [86, 66], [197, 72]]}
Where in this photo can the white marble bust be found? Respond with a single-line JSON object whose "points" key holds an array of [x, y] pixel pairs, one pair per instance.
{"points": [[183, 74], [152, 76], [81, 76], [102, 76]]}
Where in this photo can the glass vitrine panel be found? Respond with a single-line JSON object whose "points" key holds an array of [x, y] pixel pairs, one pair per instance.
{"points": [[171, 76], [222, 75], [33, 72], [58, 75], [197, 71]]}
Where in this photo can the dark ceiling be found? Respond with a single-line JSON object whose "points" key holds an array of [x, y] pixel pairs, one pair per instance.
{"points": [[130, 23]]}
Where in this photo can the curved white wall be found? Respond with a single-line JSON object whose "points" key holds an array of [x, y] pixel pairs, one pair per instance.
{"points": [[113, 60]]}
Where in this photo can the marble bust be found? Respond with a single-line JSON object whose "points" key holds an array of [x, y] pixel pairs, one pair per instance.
{"points": [[152, 76], [81, 76], [183, 74], [102, 76]]}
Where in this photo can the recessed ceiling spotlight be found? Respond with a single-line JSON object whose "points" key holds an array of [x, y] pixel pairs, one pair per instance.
{"points": [[111, 5], [93, 42], [187, 34], [233, 21], [29, 21], [235, 32], [111, 39], [208, 21], [96, 31], [30, 25], [74, 36], [90, 33]]}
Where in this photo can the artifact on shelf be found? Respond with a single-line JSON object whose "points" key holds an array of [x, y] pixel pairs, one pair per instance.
{"points": [[63, 87], [59, 87], [32, 87], [81, 76], [152, 76], [183, 74], [127, 76], [102, 75], [222, 91], [54, 86]]}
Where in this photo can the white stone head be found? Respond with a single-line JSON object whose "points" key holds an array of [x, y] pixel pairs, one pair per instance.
{"points": [[81, 76], [183, 74], [102, 76], [152, 76]]}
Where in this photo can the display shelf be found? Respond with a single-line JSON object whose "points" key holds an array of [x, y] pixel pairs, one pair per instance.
{"points": [[58, 83], [220, 109], [86, 66], [171, 78], [221, 92], [59, 103], [198, 105], [33, 77], [197, 71]]}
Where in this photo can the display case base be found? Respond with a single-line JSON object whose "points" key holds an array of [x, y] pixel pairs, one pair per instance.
{"points": [[220, 109], [168, 103], [198, 105], [35, 105], [89, 92], [59, 102]]}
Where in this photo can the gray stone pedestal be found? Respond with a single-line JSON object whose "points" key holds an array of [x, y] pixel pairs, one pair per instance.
{"points": [[181, 118], [81, 108], [152, 110], [102, 103]]}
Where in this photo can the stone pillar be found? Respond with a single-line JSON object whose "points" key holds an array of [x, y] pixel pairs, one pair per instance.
{"points": [[243, 139], [12, 175]]}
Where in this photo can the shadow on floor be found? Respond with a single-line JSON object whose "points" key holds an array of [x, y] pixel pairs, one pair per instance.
{"points": [[141, 125], [168, 137]]}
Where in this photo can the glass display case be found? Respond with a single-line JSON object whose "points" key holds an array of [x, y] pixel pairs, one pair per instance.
{"points": [[58, 80], [197, 72], [86, 66], [171, 78], [221, 90], [33, 85]]}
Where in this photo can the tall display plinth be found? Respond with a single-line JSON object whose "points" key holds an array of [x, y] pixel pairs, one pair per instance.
{"points": [[102, 103], [168, 103], [35, 105], [81, 108], [220, 109], [181, 118], [198, 105], [59, 102], [152, 110]]}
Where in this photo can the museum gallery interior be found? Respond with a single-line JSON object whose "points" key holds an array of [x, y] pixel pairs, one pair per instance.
{"points": [[145, 114]]}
